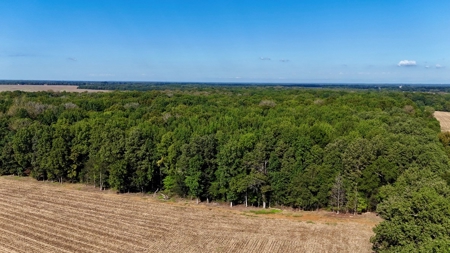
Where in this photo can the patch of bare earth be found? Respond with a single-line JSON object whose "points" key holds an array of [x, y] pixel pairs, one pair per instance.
{"points": [[48, 217], [54, 88], [444, 120]]}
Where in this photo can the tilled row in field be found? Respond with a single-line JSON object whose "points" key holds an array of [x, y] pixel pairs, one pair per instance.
{"points": [[38, 88], [41, 217], [444, 120]]}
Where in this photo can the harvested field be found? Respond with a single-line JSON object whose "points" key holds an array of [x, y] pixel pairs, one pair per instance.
{"points": [[47, 217], [36, 88], [444, 120]]}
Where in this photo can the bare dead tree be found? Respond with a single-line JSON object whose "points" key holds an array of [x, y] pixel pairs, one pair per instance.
{"points": [[338, 193]]}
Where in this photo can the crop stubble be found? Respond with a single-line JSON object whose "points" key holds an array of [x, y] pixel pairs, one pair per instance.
{"points": [[54, 88], [41, 217], [444, 120]]}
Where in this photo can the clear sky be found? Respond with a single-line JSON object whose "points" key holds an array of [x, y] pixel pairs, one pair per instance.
{"points": [[395, 41]]}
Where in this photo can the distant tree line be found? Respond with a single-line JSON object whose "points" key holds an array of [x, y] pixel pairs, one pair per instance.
{"points": [[149, 85], [304, 148]]}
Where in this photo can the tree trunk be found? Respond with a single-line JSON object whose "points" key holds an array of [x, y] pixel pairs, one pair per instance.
{"points": [[160, 177], [263, 196], [356, 198], [101, 182], [231, 203], [338, 204], [245, 199]]}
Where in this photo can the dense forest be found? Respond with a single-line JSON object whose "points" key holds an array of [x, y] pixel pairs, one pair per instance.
{"points": [[342, 150]]}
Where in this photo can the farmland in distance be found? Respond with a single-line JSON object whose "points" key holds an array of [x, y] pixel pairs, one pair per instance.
{"points": [[48, 217], [55, 88], [444, 120]]}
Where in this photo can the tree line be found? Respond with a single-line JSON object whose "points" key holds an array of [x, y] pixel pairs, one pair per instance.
{"points": [[310, 149]]}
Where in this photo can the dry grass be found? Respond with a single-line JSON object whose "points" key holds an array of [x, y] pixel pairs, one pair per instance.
{"points": [[444, 120], [46, 217], [36, 88]]}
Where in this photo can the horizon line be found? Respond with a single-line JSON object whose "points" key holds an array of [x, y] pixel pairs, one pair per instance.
{"points": [[2, 81]]}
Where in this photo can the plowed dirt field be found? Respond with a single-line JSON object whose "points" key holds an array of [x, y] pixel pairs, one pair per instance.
{"points": [[444, 120], [48, 217], [36, 88]]}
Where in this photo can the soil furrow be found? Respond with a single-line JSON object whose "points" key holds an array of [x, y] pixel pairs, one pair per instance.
{"points": [[42, 217]]}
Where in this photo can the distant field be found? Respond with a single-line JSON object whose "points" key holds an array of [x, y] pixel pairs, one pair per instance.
{"points": [[48, 217], [444, 120], [36, 88]]}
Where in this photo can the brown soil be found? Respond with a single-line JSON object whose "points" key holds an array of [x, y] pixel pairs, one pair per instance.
{"points": [[444, 120], [55, 88], [50, 217]]}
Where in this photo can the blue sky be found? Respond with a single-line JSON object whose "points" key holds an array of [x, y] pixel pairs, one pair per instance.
{"points": [[226, 41]]}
